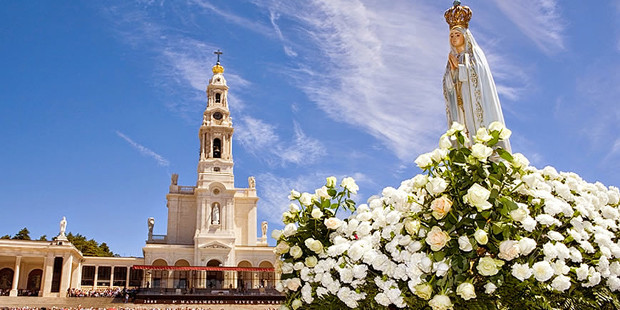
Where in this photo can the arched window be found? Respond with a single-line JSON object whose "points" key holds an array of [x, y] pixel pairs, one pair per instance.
{"points": [[6, 279], [217, 148], [218, 97], [215, 213]]}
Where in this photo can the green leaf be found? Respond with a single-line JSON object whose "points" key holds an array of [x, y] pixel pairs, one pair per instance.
{"points": [[439, 255], [504, 154]]}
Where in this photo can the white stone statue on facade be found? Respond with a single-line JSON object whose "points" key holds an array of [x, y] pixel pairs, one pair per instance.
{"points": [[263, 227], [252, 182], [215, 214], [63, 227], [151, 223], [468, 86]]}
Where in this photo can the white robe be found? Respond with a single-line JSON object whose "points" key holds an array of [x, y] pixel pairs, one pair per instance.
{"points": [[481, 104]]}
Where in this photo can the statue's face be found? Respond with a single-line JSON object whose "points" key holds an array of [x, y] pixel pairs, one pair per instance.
{"points": [[456, 38]]}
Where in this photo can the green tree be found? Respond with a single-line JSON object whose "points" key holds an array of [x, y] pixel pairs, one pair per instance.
{"points": [[89, 247], [5, 237], [23, 234], [43, 238]]}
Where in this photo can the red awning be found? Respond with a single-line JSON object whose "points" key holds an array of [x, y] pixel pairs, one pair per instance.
{"points": [[202, 268]]}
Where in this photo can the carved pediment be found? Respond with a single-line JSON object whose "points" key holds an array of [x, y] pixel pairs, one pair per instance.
{"points": [[215, 245]]}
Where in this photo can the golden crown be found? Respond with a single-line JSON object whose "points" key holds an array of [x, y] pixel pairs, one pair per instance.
{"points": [[217, 69], [458, 15]]}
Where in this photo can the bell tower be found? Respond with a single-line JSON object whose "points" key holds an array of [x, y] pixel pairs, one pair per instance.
{"points": [[215, 134]]}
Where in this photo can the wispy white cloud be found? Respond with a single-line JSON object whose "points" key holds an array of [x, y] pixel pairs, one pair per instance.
{"points": [[236, 19], [257, 137], [540, 20], [161, 161], [356, 55]]}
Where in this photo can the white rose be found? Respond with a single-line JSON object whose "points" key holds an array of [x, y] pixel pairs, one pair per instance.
{"points": [[519, 214], [322, 192], [478, 196], [527, 245], [508, 250], [305, 199], [293, 208], [420, 180], [316, 213], [286, 216], [488, 266], [466, 291], [412, 226], [295, 251], [276, 234], [439, 154], [444, 142], [424, 291], [489, 288], [521, 271], [331, 182], [455, 127], [440, 302], [504, 133], [437, 238], [482, 135], [314, 245], [464, 244], [436, 186], [289, 230], [294, 195], [481, 151], [296, 304], [281, 248], [561, 283], [424, 160], [519, 161], [481, 236], [349, 184], [333, 223], [441, 206], [292, 284], [542, 271], [311, 261], [287, 268]]}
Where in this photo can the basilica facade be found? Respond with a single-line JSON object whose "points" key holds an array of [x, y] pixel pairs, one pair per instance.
{"points": [[211, 241]]}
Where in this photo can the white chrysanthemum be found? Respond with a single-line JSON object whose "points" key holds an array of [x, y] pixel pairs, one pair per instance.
{"points": [[521, 271], [561, 283], [582, 272]]}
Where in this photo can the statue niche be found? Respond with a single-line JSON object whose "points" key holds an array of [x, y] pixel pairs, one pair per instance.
{"points": [[215, 214]]}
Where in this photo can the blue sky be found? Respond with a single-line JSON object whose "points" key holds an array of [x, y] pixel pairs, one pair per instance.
{"points": [[100, 102]]}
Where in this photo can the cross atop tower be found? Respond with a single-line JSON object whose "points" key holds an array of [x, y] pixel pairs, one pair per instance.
{"points": [[218, 53]]}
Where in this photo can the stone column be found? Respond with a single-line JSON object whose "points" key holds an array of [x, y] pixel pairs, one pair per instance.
{"points": [[96, 277], [65, 278], [76, 278], [111, 277], [46, 279], [127, 277], [18, 261]]}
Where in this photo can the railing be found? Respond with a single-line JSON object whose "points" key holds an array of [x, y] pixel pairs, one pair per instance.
{"points": [[183, 190], [158, 239], [188, 190]]}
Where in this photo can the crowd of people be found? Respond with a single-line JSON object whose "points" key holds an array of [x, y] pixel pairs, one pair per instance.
{"points": [[116, 308], [107, 292]]}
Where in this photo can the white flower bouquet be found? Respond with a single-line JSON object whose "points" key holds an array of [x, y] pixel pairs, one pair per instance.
{"points": [[479, 228]]}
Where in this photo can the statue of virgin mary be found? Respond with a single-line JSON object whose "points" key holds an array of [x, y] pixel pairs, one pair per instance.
{"points": [[468, 86]]}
